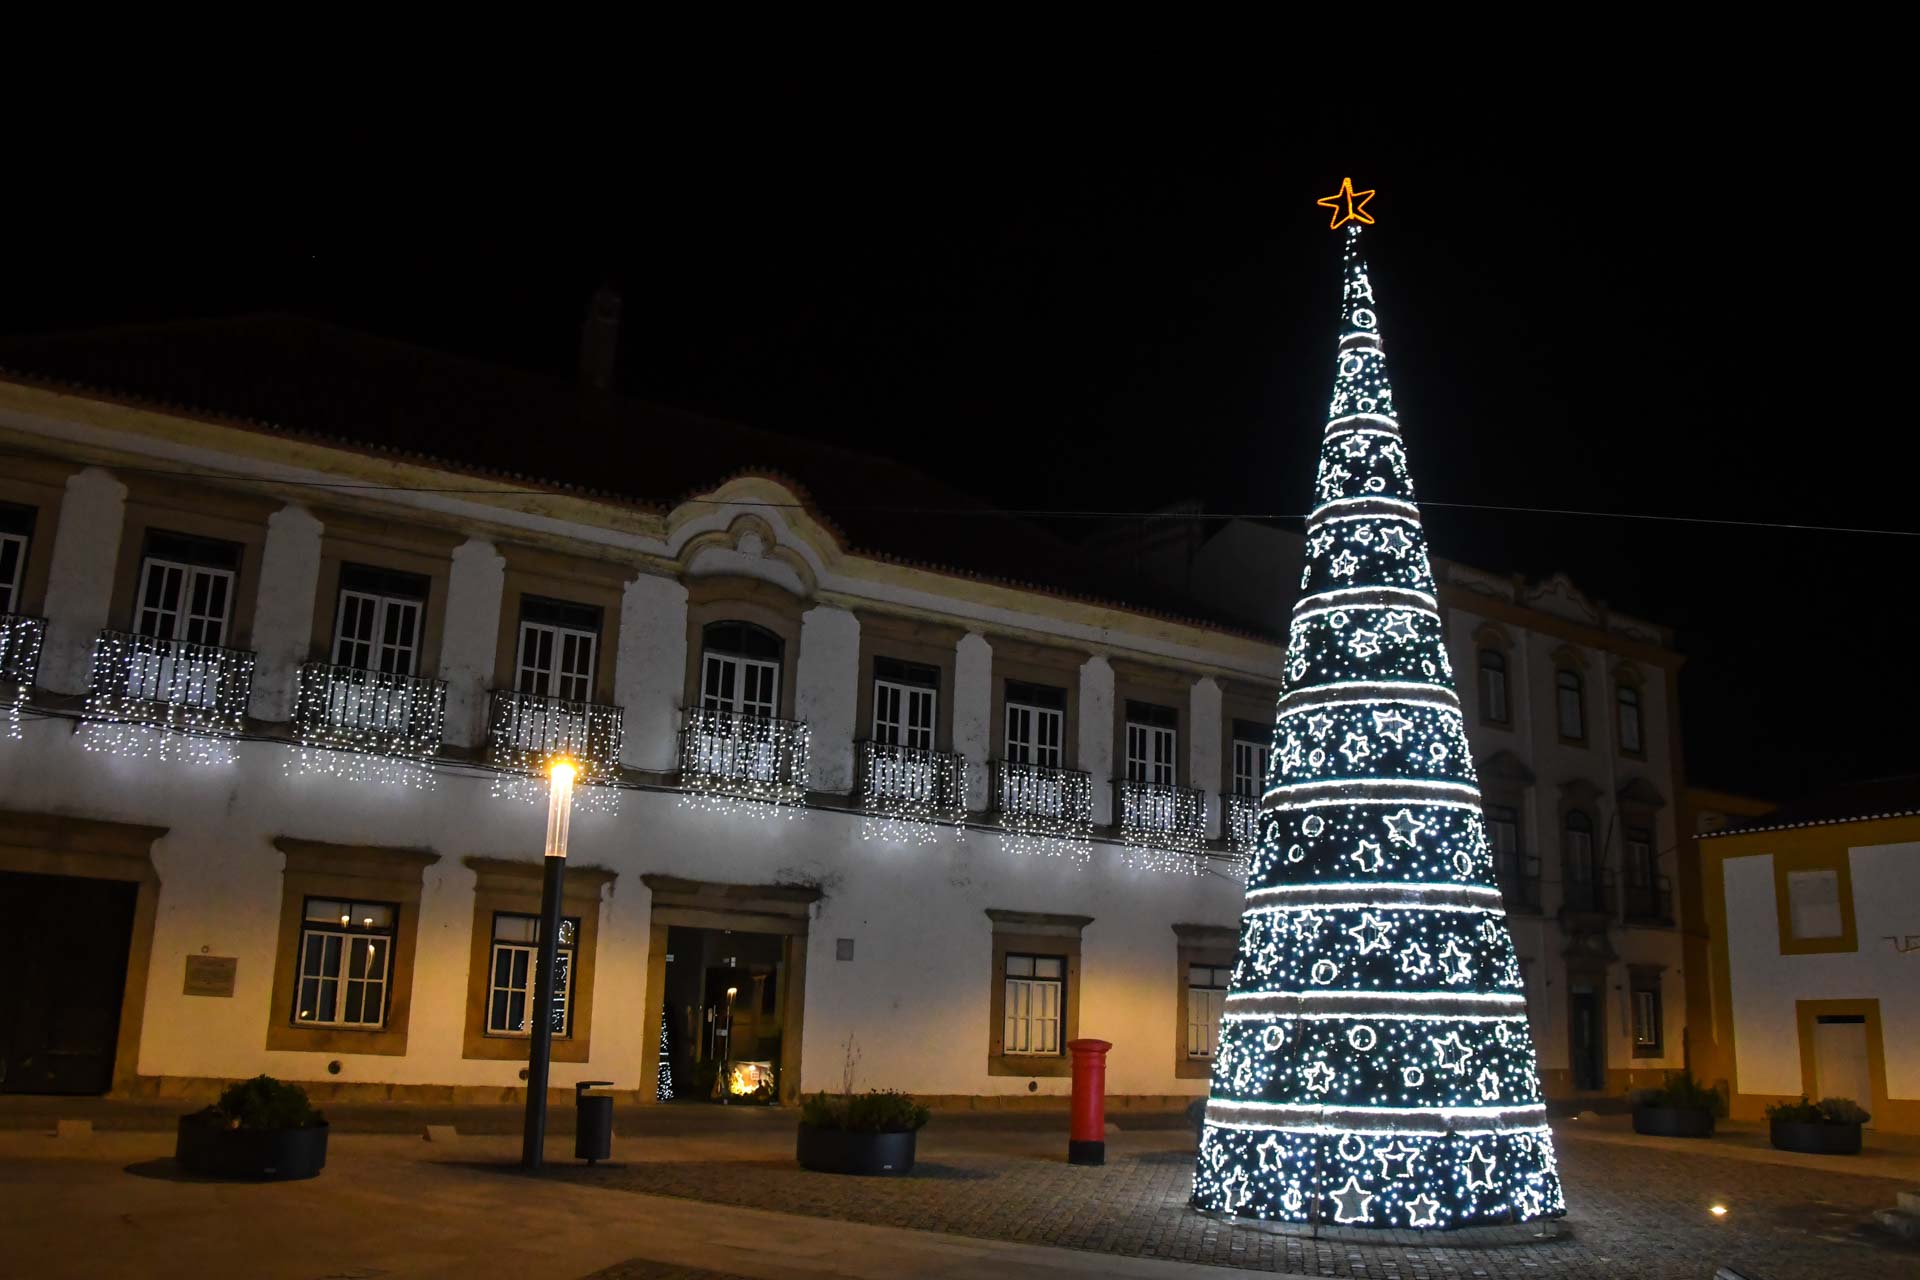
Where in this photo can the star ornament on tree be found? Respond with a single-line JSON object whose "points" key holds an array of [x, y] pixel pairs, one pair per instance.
{"points": [[1348, 205]]}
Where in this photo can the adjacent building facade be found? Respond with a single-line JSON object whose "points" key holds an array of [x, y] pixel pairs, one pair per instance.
{"points": [[1811, 914], [278, 708]]}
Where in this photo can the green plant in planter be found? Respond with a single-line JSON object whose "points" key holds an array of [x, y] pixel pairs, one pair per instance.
{"points": [[876, 1111], [1801, 1112], [1825, 1111], [266, 1103], [1843, 1111], [1683, 1091]]}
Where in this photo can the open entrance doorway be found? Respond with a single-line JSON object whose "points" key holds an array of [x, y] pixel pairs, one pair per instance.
{"points": [[64, 942], [1586, 1030], [706, 938], [717, 1042]]}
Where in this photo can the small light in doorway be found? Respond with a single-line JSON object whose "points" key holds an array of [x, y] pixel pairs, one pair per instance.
{"points": [[1718, 1211]]}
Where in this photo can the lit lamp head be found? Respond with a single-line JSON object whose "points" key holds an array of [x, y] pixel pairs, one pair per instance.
{"points": [[559, 805], [732, 992], [562, 771]]}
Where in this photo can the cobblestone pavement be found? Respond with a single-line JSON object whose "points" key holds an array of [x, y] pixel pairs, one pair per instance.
{"points": [[1636, 1212]]}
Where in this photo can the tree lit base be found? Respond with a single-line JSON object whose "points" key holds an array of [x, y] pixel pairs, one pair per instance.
{"points": [[1379, 1180], [1538, 1231]]}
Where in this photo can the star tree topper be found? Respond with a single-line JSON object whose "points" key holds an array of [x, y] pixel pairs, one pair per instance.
{"points": [[1348, 205]]}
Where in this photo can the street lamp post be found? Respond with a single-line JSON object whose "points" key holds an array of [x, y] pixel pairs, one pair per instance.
{"points": [[540, 1052], [726, 1062]]}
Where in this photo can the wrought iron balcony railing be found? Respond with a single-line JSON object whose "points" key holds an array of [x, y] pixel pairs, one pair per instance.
{"points": [[1519, 876], [728, 755], [1041, 802], [1240, 823], [1587, 895], [914, 785], [376, 712], [1161, 816], [1649, 902], [20, 639], [169, 684], [527, 731]]}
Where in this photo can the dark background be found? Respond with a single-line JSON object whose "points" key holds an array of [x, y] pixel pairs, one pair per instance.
{"points": [[1110, 303]]}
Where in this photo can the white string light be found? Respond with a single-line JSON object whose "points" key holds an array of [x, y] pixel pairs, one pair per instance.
{"points": [[1044, 810], [735, 763], [370, 726], [20, 639], [910, 794], [166, 699]]}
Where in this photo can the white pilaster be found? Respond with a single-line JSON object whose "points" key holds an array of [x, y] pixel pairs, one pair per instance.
{"points": [[467, 653], [826, 692], [650, 671], [973, 712], [1203, 747], [1096, 734], [86, 550], [283, 615]]}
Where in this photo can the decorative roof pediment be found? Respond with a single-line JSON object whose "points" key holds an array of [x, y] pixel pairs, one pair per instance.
{"points": [[1506, 767], [1558, 596], [750, 527], [1641, 793]]}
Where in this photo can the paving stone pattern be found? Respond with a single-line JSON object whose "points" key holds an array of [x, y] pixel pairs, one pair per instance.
{"points": [[1636, 1212]]}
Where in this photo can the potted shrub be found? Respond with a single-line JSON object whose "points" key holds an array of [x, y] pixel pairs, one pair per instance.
{"points": [[860, 1133], [1682, 1108], [1829, 1127], [260, 1128]]}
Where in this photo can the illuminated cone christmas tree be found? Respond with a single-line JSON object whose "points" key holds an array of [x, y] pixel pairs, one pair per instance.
{"points": [[1375, 1067]]}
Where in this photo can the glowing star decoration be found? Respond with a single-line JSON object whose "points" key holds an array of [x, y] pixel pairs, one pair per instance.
{"points": [[1404, 828], [1372, 929], [1392, 726], [1479, 1170], [1350, 1202], [1349, 205], [1372, 933]]}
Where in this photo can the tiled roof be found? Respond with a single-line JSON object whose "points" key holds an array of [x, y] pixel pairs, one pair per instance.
{"points": [[307, 378], [1851, 802]]}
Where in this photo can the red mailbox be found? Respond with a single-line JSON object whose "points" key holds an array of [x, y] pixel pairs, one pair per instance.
{"points": [[1087, 1139]]}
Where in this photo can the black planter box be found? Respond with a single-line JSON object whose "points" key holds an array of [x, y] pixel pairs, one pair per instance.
{"points": [[209, 1149], [1817, 1138], [868, 1154], [1673, 1122]]}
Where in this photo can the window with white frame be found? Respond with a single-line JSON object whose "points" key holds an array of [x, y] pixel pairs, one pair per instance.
{"points": [[1153, 735], [1036, 991], [1578, 848], [1249, 754], [1503, 833], [514, 972], [740, 669], [1627, 705], [906, 702], [377, 625], [346, 963], [16, 529], [558, 642], [1813, 904], [1493, 686], [1569, 701], [1206, 998], [1646, 1017], [1036, 723], [186, 588], [1639, 857]]}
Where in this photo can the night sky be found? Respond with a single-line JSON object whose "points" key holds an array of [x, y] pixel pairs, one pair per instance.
{"points": [[1111, 308]]}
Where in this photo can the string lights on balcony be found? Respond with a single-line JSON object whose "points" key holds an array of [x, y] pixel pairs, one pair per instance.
{"points": [[1162, 826], [374, 726], [166, 699], [527, 732], [910, 794], [1045, 811], [20, 639], [736, 763]]}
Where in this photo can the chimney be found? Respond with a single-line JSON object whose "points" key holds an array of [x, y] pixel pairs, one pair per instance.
{"points": [[600, 339]]}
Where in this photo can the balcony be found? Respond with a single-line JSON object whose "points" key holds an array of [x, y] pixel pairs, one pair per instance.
{"points": [[1040, 802], [725, 755], [1587, 895], [372, 712], [20, 638], [1519, 876], [527, 731], [1240, 824], [169, 684], [1160, 816], [1649, 902], [916, 786]]}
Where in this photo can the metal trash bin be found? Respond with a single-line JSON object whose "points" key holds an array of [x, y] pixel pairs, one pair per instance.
{"points": [[593, 1121]]}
